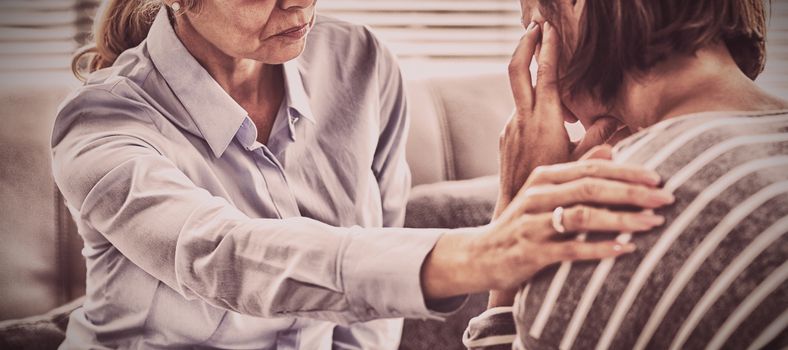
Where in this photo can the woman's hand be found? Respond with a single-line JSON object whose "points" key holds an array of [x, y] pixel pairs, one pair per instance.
{"points": [[522, 241], [535, 134]]}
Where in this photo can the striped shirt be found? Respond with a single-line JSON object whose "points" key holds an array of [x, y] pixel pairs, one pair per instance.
{"points": [[713, 276]]}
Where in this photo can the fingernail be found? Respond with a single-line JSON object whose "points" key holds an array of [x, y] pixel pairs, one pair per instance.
{"points": [[663, 196], [625, 248], [650, 220], [531, 26]]}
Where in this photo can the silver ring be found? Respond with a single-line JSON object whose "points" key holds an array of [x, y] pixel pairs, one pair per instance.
{"points": [[558, 218]]}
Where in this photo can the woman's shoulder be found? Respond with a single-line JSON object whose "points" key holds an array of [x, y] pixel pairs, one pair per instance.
{"points": [[107, 101], [123, 92], [695, 133]]}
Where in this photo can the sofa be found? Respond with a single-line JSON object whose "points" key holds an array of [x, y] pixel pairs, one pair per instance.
{"points": [[452, 151]]}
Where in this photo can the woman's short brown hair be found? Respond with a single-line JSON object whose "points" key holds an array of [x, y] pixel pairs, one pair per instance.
{"points": [[631, 36]]}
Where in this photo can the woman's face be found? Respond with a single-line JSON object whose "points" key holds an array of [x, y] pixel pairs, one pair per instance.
{"points": [[269, 31], [582, 106]]}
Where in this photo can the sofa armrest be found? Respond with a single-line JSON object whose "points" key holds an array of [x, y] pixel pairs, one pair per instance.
{"points": [[452, 204], [45, 331]]}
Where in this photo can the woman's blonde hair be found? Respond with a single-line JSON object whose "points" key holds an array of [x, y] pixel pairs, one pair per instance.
{"points": [[119, 25]]}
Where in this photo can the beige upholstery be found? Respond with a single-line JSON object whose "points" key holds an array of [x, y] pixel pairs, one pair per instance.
{"points": [[454, 133], [40, 265], [455, 123]]}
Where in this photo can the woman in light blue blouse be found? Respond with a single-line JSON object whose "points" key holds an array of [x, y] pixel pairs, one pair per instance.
{"points": [[237, 187]]}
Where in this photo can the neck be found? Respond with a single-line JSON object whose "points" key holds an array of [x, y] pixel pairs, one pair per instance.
{"points": [[708, 81], [247, 81]]}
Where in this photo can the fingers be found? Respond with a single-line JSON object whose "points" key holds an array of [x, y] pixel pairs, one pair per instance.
{"points": [[593, 191], [547, 74], [599, 152], [595, 168], [597, 134], [582, 218], [619, 135], [519, 68], [577, 250]]}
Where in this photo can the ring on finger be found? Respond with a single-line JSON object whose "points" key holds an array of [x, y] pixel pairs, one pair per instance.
{"points": [[558, 220]]}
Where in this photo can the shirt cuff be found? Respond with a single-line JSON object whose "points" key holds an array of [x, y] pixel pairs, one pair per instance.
{"points": [[381, 274], [492, 329]]}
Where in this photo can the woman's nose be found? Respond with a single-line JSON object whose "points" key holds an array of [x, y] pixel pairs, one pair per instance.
{"points": [[290, 4]]}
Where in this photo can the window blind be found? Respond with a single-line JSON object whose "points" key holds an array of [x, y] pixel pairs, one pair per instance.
{"points": [[436, 37], [41, 35], [439, 36], [775, 77], [431, 37]]}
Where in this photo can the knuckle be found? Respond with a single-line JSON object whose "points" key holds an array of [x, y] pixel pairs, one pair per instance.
{"points": [[570, 252], [522, 110], [590, 170], [531, 196], [635, 174], [544, 69], [579, 217], [634, 192], [588, 189], [539, 173], [543, 259], [532, 193], [515, 66], [621, 220]]}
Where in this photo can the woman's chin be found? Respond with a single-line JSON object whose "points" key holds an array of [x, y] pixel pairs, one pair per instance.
{"points": [[281, 55]]}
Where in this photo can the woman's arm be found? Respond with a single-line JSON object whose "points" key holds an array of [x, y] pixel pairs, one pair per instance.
{"points": [[108, 166]]}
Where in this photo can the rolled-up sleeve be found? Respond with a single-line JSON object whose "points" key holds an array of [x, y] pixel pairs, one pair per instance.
{"points": [[109, 169]]}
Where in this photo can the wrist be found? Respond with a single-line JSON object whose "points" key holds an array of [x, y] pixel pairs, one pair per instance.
{"points": [[450, 269]]}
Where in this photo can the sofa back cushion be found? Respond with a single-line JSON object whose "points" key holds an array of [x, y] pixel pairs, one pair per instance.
{"points": [[455, 124], [40, 261]]}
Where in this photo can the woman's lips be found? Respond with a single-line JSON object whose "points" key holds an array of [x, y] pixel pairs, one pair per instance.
{"points": [[295, 33]]}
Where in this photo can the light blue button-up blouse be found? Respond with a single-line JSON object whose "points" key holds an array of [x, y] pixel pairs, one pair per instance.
{"points": [[197, 235]]}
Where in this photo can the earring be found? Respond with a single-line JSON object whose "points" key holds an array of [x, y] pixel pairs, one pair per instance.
{"points": [[176, 6]]}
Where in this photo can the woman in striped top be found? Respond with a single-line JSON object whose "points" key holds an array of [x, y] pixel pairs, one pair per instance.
{"points": [[681, 74]]}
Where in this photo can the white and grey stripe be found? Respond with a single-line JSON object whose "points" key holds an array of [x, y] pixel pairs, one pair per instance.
{"points": [[670, 235], [702, 252], [774, 281], [600, 274], [730, 175], [726, 278], [771, 332]]}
